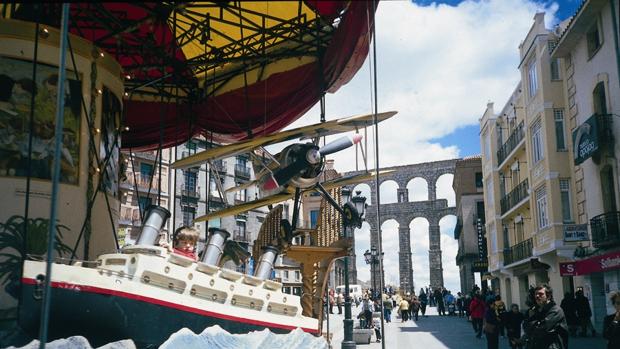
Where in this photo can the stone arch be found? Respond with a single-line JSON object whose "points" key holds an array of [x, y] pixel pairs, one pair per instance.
{"points": [[444, 190], [419, 229], [449, 249], [361, 244], [417, 189], [389, 192]]}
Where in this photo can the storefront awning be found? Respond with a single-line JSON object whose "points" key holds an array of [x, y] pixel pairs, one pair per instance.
{"points": [[597, 264]]}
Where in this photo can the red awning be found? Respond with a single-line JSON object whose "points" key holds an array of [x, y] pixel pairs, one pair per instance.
{"points": [[597, 264]]}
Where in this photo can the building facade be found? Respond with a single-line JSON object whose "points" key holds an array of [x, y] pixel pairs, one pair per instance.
{"points": [[589, 51], [145, 183], [469, 230], [527, 178]]}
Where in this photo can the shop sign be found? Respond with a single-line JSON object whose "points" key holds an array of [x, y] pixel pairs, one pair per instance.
{"points": [[576, 232], [598, 264], [480, 266], [585, 140]]}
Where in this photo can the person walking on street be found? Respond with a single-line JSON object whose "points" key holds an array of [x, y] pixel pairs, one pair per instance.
{"points": [[459, 303], [415, 307], [584, 313], [491, 326], [404, 309], [387, 307], [423, 302], [477, 313], [500, 311], [545, 326], [339, 302], [332, 300], [441, 306], [611, 324], [568, 306], [512, 321]]}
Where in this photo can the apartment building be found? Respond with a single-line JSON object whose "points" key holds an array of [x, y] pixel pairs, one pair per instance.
{"points": [[589, 50], [145, 183], [528, 188], [194, 197], [470, 220]]}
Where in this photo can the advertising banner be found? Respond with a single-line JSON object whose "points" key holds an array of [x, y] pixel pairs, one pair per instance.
{"points": [[606, 262]]}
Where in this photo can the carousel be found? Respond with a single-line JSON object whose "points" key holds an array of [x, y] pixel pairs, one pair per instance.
{"points": [[81, 81]]}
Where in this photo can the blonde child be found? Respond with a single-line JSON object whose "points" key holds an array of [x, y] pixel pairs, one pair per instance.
{"points": [[184, 241]]}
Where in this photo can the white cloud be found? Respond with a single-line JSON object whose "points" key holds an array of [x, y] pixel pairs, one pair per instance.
{"points": [[438, 66]]}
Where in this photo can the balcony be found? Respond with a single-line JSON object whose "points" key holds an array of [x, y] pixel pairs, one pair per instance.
{"points": [[219, 166], [515, 196], [605, 229], [511, 144], [242, 171], [241, 236], [143, 182], [193, 194], [518, 252]]}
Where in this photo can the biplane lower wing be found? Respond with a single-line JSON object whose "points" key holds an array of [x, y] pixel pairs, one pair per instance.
{"points": [[305, 132], [276, 198]]}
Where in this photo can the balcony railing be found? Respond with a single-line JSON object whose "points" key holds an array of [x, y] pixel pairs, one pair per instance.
{"points": [[515, 196], [219, 166], [242, 171], [195, 194], [130, 218], [606, 229], [143, 182], [518, 252], [241, 236], [515, 138]]}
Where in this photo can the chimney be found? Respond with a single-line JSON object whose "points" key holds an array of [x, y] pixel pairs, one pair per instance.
{"points": [[265, 265], [155, 219], [215, 246]]}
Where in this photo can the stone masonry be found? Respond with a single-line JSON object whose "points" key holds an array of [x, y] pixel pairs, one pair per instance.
{"points": [[404, 212]]}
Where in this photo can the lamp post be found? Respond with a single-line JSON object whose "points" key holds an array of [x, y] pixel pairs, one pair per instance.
{"points": [[371, 257], [353, 210]]}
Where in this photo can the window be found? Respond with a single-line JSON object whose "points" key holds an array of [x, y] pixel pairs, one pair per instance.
{"points": [[480, 211], [541, 207], [240, 230], [144, 202], [506, 238], [146, 170], [286, 289], [565, 200], [558, 116], [285, 277], [594, 39], [537, 142], [478, 179], [519, 236], [532, 78], [191, 146], [314, 218], [213, 187], [599, 99], [241, 195], [297, 291], [555, 69], [190, 180], [297, 275], [189, 213]]}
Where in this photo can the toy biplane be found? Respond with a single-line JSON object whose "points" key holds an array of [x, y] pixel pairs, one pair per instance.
{"points": [[293, 171]]}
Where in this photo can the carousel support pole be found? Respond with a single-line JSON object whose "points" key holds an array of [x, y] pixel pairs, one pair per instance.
{"points": [[60, 102]]}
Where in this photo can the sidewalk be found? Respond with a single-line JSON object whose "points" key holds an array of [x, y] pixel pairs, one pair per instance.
{"points": [[436, 332]]}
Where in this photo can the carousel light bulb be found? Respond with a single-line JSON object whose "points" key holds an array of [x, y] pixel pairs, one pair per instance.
{"points": [[98, 130], [99, 91], [97, 169], [101, 54], [128, 77], [126, 128], [126, 94]]}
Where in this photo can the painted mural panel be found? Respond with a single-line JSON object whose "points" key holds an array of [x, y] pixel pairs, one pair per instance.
{"points": [[16, 91], [110, 140]]}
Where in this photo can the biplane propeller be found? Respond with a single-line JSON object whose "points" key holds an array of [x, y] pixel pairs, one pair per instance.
{"points": [[296, 169]]}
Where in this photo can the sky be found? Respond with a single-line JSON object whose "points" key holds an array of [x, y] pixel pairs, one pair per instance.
{"points": [[438, 64]]}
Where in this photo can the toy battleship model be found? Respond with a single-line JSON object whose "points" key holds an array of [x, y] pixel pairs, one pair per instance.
{"points": [[146, 293]]}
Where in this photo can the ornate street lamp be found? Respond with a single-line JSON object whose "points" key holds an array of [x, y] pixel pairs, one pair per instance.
{"points": [[353, 211]]}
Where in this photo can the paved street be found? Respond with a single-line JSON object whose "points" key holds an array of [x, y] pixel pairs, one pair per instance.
{"points": [[437, 332]]}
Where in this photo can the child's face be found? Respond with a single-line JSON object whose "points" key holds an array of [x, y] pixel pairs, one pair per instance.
{"points": [[184, 244]]}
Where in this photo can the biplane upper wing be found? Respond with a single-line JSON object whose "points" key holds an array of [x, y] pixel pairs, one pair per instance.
{"points": [[285, 195], [233, 210], [317, 130]]}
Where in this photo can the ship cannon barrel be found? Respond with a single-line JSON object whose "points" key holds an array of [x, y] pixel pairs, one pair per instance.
{"points": [[154, 221], [215, 246], [265, 264]]}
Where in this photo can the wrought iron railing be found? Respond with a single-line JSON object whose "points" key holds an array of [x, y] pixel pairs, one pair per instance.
{"points": [[513, 140], [606, 229], [191, 193], [143, 182], [515, 196], [219, 165], [242, 171], [518, 252]]}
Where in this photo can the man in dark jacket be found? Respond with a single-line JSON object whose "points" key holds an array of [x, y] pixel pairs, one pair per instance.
{"points": [[584, 313], [568, 306], [545, 327]]}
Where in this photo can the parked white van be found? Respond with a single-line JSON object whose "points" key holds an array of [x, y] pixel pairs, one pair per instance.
{"points": [[354, 290]]}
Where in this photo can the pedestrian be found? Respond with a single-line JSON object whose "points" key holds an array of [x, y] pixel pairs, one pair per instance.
{"points": [[584, 313], [459, 303], [477, 313], [611, 325], [415, 307], [339, 302], [570, 312], [441, 306], [404, 309], [466, 304], [545, 326], [500, 310], [491, 326], [423, 301], [388, 305], [366, 312], [512, 321], [332, 301]]}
